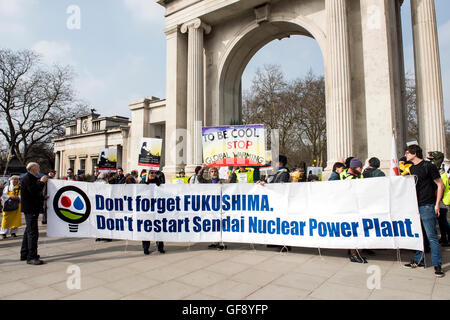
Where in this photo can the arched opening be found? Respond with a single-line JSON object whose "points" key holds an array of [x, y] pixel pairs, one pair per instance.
{"points": [[254, 41]]}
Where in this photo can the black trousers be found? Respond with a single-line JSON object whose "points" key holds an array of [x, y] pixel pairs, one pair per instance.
{"points": [[30, 237], [443, 225], [146, 245]]}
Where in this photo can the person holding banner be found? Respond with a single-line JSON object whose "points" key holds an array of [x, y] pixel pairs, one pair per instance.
{"points": [[180, 178], [31, 196], [429, 189], [242, 175], [373, 171], [282, 175], [355, 170], [213, 174], [194, 179], [153, 178]]}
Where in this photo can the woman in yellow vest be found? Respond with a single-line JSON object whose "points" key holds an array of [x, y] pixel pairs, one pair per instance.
{"points": [[11, 219]]}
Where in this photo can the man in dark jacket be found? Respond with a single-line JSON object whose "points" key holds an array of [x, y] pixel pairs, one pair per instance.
{"points": [[31, 199], [373, 171]]}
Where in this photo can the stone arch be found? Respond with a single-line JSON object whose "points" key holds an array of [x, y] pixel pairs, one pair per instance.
{"points": [[245, 45]]}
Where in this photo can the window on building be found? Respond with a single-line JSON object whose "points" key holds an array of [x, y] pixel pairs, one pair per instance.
{"points": [[83, 164], [72, 165], [94, 163]]}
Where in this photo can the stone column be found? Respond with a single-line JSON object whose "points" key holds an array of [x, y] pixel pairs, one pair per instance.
{"points": [[195, 90], [176, 82], [339, 109], [430, 105]]}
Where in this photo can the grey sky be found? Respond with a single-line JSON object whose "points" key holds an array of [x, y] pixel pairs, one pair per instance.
{"points": [[119, 51]]}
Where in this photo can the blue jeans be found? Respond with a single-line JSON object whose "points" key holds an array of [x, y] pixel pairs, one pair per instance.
{"points": [[429, 220]]}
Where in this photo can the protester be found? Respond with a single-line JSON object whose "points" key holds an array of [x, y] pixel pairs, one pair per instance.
{"points": [[298, 174], [344, 174], [282, 175], [242, 175], [373, 171], [12, 219], [120, 178], [143, 176], [355, 169], [70, 176], [437, 157], [213, 174], [429, 189], [135, 174], [80, 175], [101, 178], [194, 179], [161, 176], [31, 197], [95, 174], [313, 178], [338, 167], [153, 179], [214, 178]]}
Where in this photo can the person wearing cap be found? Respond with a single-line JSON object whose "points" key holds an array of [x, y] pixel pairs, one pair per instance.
{"points": [[437, 158], [355, 169], [373, 171], [11, 220], [180, 178], [344, 173], [80, 175]]}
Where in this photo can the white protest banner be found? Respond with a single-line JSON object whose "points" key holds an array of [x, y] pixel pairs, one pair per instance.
{"points": [[150, 153], [378, 213], [233, 145]]}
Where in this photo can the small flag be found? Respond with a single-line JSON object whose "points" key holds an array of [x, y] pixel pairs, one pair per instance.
{"points": [[395, 171]]}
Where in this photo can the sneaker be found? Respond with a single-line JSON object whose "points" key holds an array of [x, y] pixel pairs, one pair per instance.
{"points": [[221, 247], [13, 235], [162, 251], [146, 252], [213, 245], [438, 272], [35, 262], [413, 265], [357, 259]]}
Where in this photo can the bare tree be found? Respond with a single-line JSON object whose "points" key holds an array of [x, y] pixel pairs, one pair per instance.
{"points": [[295, 108], [36, 102]]}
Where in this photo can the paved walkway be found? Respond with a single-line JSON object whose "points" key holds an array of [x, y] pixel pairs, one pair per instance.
{"points": [[119, 270]]}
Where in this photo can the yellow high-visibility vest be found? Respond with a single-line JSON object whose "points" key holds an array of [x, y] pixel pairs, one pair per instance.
{"points": [[180, 180], [244, 177]]}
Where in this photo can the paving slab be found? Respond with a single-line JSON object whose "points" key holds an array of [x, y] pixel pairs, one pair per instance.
{"points": [[191, 271]]}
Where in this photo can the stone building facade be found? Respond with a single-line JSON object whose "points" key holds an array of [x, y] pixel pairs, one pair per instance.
{"points": [[79, 147]]}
